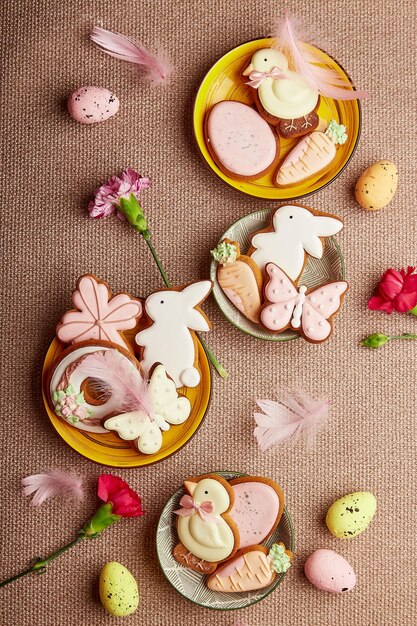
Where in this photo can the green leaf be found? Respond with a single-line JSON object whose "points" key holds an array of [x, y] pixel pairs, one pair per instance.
{"points": [[413, 311]]}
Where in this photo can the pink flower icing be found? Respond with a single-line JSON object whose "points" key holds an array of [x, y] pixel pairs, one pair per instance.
{"points": [[96, 316]]}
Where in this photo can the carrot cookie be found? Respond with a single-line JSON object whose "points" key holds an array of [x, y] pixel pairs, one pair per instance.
{"points": [[251, 569], [240, 278], [312, 155]]}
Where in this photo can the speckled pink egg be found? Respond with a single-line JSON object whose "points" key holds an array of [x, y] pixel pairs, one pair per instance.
{"points": [[329, 571], [90, 105]]}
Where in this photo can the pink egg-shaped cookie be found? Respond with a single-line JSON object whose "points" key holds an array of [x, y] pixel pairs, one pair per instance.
{"points": [[329, 571], [240, 141], [90, 105], [257, 509]]}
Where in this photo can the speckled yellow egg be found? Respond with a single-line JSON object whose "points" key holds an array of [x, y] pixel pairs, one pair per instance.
{"points": [[351, 515], [119, 592], [377, 185]]}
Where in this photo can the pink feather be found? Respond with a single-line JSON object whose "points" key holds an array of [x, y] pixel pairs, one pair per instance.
{"points": [[325, 81], [296, 416], [51, 485], [157, 67], [115, 374]]}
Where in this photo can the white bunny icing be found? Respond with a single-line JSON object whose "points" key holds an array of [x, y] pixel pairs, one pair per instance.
{"points": [[169, 340], [296, 231]]}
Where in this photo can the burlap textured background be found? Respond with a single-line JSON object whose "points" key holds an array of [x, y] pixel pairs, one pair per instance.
{"points": [[51, 165]]}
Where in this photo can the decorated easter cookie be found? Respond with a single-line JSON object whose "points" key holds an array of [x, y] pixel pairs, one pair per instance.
{"points": [[295, 231], [308, 311], [69, 396], [329, 571], [240, 278], [257, 509], [98, 315], [90, 105], [166, 408], [281, 94], [240, 141], [170, 339], [312, 155], [351, 515], [251, 569], [205, 528], [140, 410]]}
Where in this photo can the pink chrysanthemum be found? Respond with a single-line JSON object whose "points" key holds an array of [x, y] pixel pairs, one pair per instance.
{"points": [[107, 197]]}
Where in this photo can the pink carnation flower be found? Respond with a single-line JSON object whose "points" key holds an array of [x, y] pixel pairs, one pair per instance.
{"points": [[107, 197]]}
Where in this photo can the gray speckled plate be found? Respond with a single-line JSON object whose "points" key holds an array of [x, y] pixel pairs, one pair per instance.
{"points": [[191, 584], [317, 271]]}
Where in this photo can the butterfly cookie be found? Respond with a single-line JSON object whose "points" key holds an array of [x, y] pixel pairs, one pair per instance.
{"points": [[308, 311]]}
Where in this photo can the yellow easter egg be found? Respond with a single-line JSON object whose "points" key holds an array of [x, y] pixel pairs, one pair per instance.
{"points": [[351, 515], [119, 592], [377, 185]]}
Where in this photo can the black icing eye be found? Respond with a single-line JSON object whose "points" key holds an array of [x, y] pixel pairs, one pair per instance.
{"points": [[291, 217], [162, 302], [206, 492], [266, 60]]}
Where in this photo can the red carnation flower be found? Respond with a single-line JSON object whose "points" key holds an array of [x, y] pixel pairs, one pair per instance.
{"points": [[125, 502], [396, 291]]}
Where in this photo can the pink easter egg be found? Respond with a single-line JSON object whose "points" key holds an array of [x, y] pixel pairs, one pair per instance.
{"points": [[329, 571], [90, 105]]}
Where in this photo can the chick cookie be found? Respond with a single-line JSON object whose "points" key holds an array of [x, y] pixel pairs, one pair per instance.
{"points": [[282, 96], [207, 533]]}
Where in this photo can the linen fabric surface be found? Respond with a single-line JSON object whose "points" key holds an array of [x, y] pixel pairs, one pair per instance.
{"points": [[51, 165]]}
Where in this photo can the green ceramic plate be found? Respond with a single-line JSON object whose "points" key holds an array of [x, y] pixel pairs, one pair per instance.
{"points": [[316, 272], [191, 584]]}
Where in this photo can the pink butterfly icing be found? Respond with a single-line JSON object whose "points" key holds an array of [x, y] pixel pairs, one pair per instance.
{"points": [[98, 316], [307, 312]]}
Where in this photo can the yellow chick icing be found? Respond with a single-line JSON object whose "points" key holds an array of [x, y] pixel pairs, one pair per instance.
{"points": [[201, 528], [282, 92]]}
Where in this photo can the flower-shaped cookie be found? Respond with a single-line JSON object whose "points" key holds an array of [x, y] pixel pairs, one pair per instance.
{"points": [[98, 315]]}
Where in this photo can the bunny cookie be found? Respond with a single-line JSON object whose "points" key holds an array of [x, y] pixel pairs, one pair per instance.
{"points": [[296, 231], [170, 339]]}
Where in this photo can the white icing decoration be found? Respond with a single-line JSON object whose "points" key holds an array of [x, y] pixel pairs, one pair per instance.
{"points": [[209, 540], [296, 231], [169, 340], [298, 309], [168, 408], [288, 97]]}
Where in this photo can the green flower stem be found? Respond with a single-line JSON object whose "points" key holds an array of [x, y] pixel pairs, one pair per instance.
{"points": [[147, 238], [214, 361], [217, 366], [376, 340], [41, 564]]}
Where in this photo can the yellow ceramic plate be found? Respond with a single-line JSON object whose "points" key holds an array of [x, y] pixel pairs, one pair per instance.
{"points": [[108, 449], [224, 82]]}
